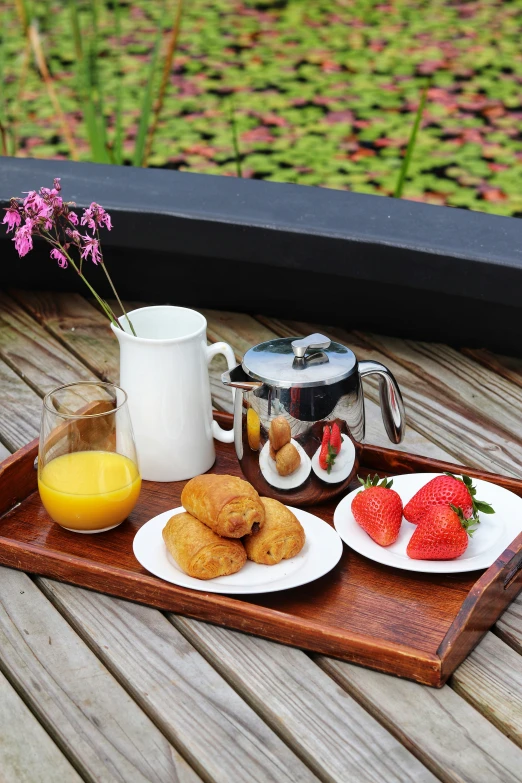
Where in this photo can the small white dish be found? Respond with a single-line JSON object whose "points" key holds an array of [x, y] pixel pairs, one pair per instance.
{"points": [[268, 468], [494, 534], [342, 466], [321, 552]]}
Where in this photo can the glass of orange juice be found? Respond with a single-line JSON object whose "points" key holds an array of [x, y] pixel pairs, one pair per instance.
{"points": [[88, 474]]}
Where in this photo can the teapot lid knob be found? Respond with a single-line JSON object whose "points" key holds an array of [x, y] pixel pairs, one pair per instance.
{"points": [[313, 341]]}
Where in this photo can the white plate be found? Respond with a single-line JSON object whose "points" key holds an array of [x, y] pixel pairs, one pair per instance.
{"points": [[342, 466], [321, 552], [493, 535], [268, 468]]}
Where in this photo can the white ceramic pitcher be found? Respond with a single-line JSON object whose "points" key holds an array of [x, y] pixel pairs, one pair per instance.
{"points": [[164, 371]]}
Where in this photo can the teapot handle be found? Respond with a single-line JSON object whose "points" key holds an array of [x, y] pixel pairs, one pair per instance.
{"points": [[392, 406]]}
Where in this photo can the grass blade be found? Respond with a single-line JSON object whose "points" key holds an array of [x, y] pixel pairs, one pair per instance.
{"points": [[117, 144], [94, 79], [146, 106], [167, 67], [399, 187], [235, 142], [98, 149], [36, 45]]}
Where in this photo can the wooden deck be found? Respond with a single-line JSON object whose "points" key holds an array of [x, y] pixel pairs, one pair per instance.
{"points": [[98, 689]]}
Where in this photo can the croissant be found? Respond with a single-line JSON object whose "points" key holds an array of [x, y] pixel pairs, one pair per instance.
{"points": [[226, 504], [279, 432], [281, 537], [199, 551]]}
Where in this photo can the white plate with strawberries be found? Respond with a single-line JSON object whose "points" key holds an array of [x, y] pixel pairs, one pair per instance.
{"points": [[442, 543]]}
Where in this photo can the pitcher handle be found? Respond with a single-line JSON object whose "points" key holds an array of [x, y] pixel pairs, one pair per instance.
{"points": [[225, 436], [392, 406]]}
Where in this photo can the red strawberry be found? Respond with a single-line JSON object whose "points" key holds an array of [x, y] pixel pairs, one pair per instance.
{"points": [[442, 534], [335, 438], [327, 454], [446, 490], [378, 510]]}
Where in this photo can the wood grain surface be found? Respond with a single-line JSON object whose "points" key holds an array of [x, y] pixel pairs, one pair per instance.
{"points": [[33, 353], [491, 680], [79, 326], [93, 720], [27, 753], [509, 627], [445, 732], [194, 707], [20, 409], [332, 732]]}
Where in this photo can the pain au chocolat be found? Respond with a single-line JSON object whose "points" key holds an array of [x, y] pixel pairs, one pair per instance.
{"points": [[281, 537], [199, 551], [228, 505]]}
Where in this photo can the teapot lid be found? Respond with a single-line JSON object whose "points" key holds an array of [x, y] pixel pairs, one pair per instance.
{"points": [[299, 362]]}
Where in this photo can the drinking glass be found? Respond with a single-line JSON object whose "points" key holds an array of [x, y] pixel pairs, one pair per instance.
{"points": [[88, 474]]}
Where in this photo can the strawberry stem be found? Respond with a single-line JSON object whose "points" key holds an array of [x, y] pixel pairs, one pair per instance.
{"points": [[478, 505], [376, 481]]}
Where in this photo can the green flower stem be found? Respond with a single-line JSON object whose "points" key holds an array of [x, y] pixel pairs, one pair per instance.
{"points": [[113, 288], [105, 307]]}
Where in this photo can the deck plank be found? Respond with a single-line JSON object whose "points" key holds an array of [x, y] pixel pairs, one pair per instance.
{"points": [[89, 715], [332, 732], [27, 753], [4, 453], [509, 626], [33, 353], [491, 680], [79, 326], [221, 736], [509, 367], [489, 396], [243, 331], [446, 733], [448, 420], [20, 410]]}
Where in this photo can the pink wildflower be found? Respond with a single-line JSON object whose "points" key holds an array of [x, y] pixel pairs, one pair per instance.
{"points": [[62, 261], [23, 239], [73, 218], [56, 184], [51, 197], [12, 217], [96, 216], [75, 236], [35, 206], [91, 247]]}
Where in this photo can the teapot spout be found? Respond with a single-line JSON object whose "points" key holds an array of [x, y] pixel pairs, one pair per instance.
{"points": [[238, 379]]}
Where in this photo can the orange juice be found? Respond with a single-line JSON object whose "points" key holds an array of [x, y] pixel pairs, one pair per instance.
{"points": [[89, 490]]}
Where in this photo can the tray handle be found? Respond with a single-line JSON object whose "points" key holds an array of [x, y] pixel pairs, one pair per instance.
{"points": [[487, 599]]}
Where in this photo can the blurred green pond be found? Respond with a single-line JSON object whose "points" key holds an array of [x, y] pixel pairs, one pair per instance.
{"points": [[325, 91]]}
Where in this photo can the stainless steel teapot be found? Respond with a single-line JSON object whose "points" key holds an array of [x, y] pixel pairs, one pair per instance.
{"points": [[299, 416]]}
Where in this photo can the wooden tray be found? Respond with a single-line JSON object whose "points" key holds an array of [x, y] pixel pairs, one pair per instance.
{"points": [[419, 626]]}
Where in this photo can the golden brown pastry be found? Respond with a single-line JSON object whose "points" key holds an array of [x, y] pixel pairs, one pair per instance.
{"points": [[228, 505], [287, 460], [199, 551], [279, 432], [281, 537], [272, 452]]}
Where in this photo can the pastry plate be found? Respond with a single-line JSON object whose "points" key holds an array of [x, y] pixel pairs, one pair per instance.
{"points": [[322, 551], [494, 534]]}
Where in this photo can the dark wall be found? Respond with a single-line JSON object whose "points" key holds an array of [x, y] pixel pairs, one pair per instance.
{"points": [[359, 261]]}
